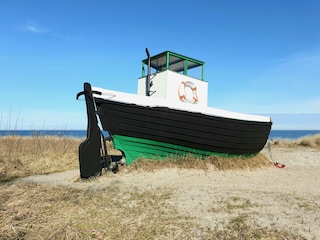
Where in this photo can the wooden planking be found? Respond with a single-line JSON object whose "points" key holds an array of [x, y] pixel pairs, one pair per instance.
{"points": [[183, 128]]}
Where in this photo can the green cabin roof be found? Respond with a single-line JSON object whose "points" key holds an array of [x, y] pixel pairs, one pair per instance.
{"points": [[173, 61]]}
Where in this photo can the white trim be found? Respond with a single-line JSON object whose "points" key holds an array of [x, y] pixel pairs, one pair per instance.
{"points": [[157, 102]]}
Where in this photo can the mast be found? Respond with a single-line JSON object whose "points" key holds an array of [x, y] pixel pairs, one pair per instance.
{"points": [[148, 75]]}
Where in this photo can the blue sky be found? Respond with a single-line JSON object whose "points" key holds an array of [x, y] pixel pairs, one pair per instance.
{"points": [[262, 57]]}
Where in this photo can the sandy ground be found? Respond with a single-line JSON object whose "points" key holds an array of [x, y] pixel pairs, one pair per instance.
{"points": [[285, 199]]}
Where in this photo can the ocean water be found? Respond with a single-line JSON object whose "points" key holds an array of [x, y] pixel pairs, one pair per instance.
{"points": [[58, 133], [292, 134], [284, 134]]}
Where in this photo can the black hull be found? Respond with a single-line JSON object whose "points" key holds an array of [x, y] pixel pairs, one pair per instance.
{"points": [[183, 128]]}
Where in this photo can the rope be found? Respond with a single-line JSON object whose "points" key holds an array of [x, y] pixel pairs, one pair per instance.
{"points": [[278, 165]]}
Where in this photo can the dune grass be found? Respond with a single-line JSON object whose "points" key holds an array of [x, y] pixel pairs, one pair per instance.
{"points": [[25, 156], [312, 141], [39, 211], [192, 162]]}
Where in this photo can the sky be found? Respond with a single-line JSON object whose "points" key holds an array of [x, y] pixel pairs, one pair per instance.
{"points": [[261, 57]]}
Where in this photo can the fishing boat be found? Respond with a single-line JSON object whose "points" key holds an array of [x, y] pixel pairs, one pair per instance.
{"points": [[168, 116]]}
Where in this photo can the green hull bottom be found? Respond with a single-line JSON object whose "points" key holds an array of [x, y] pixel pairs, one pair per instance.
{"points": [[135, 148]]}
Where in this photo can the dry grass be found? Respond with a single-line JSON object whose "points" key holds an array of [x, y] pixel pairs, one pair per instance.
{"points": [[308, 141], [23, 156], [191, 162], [39, 211], [30, 211], [46, 212]]}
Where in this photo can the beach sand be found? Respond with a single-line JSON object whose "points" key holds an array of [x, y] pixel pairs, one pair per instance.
{"points": [[285, 199]]}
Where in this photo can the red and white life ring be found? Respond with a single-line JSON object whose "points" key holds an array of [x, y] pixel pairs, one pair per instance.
{"points": [[182, 91]]}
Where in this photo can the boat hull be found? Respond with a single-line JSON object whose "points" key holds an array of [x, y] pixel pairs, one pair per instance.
{"points": [[145, 131]]}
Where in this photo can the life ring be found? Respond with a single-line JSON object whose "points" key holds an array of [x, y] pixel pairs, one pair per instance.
{"points": [[183, 93]]}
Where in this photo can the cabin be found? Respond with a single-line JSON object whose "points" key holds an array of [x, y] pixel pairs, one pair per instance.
{"points": [[174, 77]]}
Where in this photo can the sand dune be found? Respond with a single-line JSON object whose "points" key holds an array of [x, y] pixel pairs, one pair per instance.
{"points": [[285, 199]]}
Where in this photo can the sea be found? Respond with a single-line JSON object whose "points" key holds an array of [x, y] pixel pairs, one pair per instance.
{"points": [[284, 134]]}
